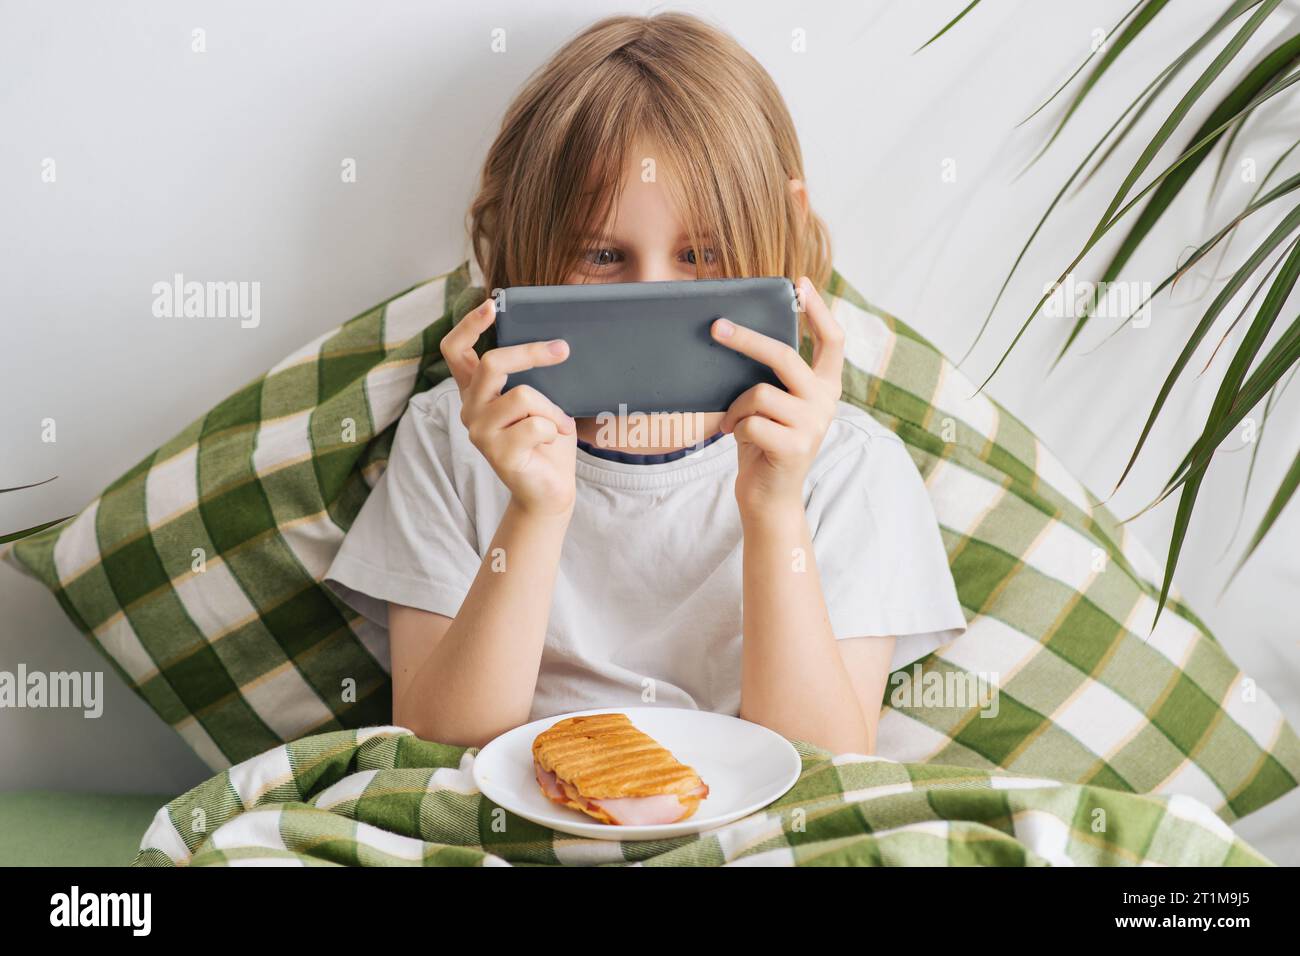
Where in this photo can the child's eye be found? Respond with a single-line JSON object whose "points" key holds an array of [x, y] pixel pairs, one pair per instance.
{"points": [[710, 257], [600, 257]]}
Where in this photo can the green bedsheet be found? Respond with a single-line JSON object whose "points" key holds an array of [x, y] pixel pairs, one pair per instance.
{"points": [[47, 828], [381, 796]]}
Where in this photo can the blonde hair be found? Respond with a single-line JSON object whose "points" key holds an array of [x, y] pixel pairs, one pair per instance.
{"points": [[556, 167]]}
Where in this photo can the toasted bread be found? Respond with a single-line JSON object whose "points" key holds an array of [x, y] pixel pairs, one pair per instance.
{"points": [[604, 757]]}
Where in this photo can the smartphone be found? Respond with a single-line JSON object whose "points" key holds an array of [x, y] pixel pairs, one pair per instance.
{"points": [[646, 346]]}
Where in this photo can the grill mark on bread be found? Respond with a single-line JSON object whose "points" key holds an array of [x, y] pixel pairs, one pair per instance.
{"points": [[604, 756]]}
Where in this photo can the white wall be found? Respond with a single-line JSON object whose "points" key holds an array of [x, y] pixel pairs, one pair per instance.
{"points": [[225, 165]]}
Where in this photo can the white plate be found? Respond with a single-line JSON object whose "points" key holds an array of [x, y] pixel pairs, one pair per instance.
{"points": [[745, 765]]}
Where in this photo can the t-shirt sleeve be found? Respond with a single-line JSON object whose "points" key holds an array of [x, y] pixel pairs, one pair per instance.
{"points": [[880, 556], [413, 542]]}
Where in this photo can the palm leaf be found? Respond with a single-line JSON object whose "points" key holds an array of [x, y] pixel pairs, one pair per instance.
{"points": [[1148, 11], [1105, 226], [1281, 497], [1284, 354], [34, 484], [1230, 15], [1277, 163], [1186, 503], [1229, 405], [951, 23], [1274, 395], [15, 535], [1226, 401], [1241, 313], [1244, 94], [1285, 188], [1138, 107], [1245, 384]]}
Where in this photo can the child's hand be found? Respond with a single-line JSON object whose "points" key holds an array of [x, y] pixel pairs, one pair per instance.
{"points": [[529, 441], [779, 433]]}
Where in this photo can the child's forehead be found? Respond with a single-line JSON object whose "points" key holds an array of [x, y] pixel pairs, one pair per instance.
{"points": [[640, 195], [624, 225]]}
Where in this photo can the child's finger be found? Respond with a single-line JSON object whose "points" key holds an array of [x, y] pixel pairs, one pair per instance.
{"points": [[518, 442], [457, 346], [517, 404], [497, 364], [766, 400], [828, 336], [771, 437], [789, 366]]}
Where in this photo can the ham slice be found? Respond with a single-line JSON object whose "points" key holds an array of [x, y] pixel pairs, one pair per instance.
{"points": [[548, 782], [624, 811], [643, 811]]}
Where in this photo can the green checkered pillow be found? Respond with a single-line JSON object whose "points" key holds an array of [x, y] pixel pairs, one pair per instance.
{"points": [[198, 574]]}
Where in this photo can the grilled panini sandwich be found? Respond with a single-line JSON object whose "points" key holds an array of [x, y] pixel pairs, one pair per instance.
{"points": [[605, 767]]}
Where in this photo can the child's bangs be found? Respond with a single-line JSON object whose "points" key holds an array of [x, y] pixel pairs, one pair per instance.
{"points": [[590, 218], [685, 175], [722, 183], [686, 170]]}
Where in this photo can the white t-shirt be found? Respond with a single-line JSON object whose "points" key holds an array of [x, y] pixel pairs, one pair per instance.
{"points": [[648, 590]]}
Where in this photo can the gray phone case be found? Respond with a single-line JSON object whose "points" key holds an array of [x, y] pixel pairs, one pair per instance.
{"points": [[645, 346]]}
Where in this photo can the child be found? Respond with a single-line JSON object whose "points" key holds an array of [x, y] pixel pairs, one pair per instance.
{"points": [[777, 566]]}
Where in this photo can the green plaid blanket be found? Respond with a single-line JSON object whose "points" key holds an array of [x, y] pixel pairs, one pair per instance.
{"points": [[382, 797], [197, 574]]}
